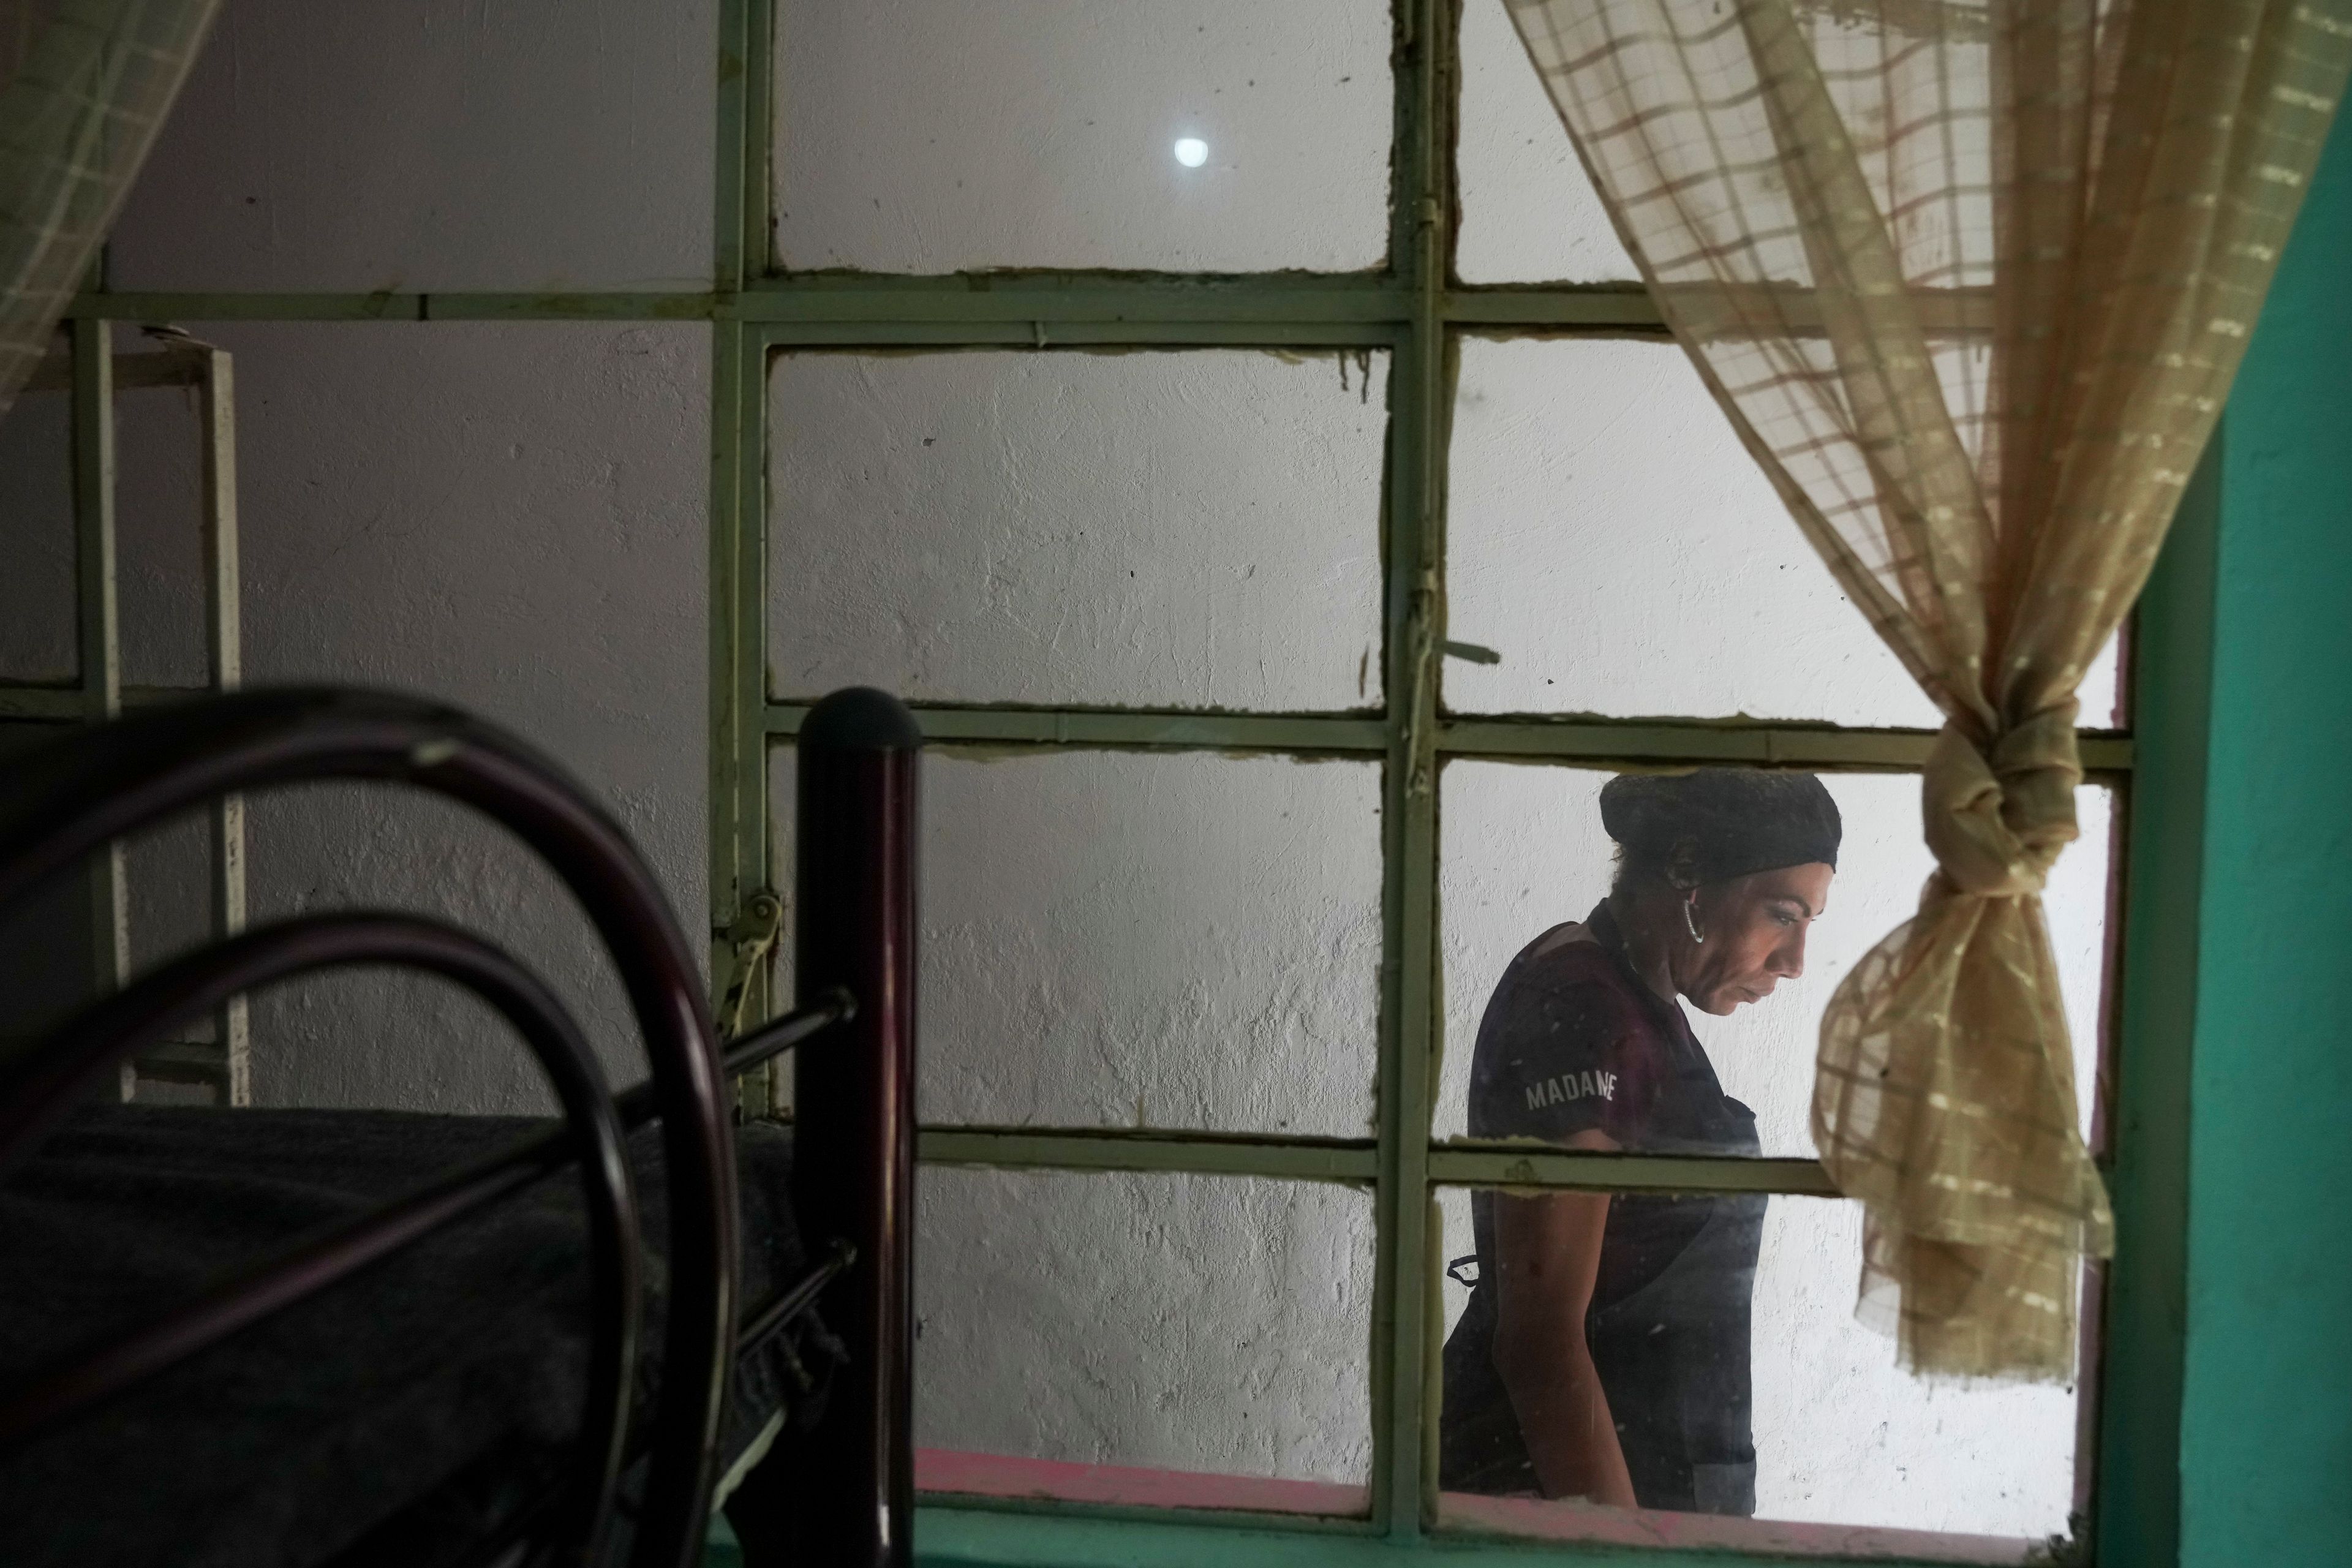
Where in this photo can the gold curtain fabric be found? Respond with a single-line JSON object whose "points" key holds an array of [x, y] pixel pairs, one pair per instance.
{"points": [[1971, 278], [84, 85]]}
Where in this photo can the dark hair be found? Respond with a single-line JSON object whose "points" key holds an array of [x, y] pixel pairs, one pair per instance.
{"points": [[1715, 824]]}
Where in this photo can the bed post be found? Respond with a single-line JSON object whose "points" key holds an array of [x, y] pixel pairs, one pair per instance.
{"points": [[854, 1106]]}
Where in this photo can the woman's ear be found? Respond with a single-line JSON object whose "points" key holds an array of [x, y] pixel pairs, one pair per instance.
{"points": [[1681, 864]]}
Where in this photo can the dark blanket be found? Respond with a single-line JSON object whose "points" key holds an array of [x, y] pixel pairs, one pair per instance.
{"points": [[393, 1419]]}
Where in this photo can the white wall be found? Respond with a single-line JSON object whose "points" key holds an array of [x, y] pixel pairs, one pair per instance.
{"points": [[435, 145], [1528, 214], [506, 517], [939, 135], [1145, 940], [1206, 1323], [1154, 530], [1611, 539]]}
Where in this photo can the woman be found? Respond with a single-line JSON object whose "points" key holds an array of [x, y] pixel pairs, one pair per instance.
{"points": [[1604, 1351]]}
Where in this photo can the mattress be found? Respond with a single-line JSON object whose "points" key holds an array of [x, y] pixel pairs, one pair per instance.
{"points": [[405, 1415]]}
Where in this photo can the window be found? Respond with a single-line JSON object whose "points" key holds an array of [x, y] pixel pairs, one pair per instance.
{"points": [[1234, 518], [1271, 609]]}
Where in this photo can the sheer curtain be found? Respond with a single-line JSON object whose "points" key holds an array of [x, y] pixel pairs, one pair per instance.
{"points": [[1971, 278], [84, 84]]}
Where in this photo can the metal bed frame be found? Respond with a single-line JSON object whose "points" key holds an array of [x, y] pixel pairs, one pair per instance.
{"points": [[854, 1160]]}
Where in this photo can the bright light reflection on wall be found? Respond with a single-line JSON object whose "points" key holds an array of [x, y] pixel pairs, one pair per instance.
{"points": [[1191, 152]]}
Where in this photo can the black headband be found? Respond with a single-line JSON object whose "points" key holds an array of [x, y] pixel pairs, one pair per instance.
{"points": [[1728, 822]]}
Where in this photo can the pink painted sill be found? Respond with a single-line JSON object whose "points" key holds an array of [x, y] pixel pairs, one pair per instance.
{"points": [[1569, 1518], [1003, 1475]]}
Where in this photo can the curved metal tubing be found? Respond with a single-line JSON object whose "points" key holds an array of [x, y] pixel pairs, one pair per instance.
{"points": [[64, 1068], [529, 1159], [102, 784]]}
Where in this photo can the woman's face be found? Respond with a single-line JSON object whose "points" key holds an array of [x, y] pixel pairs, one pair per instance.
{"points": [[1753, 930]]}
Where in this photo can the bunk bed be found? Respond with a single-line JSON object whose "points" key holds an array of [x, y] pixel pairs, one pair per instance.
{"points": [[254, 1336]]}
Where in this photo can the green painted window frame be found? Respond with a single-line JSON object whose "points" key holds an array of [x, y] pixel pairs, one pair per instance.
{"points": [[1415, 309]]}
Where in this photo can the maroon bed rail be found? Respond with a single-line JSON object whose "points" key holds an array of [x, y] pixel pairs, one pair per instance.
{"points": [[842, 1492], [853, 1167]]}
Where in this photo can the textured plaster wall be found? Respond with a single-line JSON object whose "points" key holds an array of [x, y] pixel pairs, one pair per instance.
{"points": [[1579, 470], [1160, 941], [1170, 940], [508, 516], [1153, 530], [1528, 214], [939, 135], [1187, 1322], [435, 144], [505, 516]]}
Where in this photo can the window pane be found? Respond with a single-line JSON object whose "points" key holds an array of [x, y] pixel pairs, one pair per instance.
{"points": [[1524, 851], [1614, 541], [1528, 214], [1143, 1339], [1220, 135], [1842, 1436], [440, 144], [1138, 940], [1184, 530]]}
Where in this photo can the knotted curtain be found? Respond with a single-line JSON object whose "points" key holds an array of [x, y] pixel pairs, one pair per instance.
{"points": [[84, 86], [1971, 278]]}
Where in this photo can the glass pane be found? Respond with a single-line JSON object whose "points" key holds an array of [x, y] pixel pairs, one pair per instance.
{"points": [[1524, 851], [1198, 1341], [1612, 540], [1849, 1450], [1528, 214], [1219, 135], [441, 144], [1181, 529], [1131, 939]]}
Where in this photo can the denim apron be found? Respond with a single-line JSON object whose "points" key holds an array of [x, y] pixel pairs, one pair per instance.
{"points": [[1671, 1346]]}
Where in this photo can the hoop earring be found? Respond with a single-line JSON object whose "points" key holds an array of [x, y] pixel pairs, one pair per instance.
{"points": [[1690, 922]]}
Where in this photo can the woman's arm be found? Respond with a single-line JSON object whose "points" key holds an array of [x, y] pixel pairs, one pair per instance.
{"points": [[1546, 1253]]}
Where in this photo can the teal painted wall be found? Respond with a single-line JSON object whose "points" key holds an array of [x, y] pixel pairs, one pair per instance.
{"points": [[2266, 1414]]}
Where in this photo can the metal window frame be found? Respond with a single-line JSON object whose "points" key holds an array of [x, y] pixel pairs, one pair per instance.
{"points": [[1413, 308]]}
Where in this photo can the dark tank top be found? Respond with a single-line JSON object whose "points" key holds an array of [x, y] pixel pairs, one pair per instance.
{"points": [[1573, 1041]]}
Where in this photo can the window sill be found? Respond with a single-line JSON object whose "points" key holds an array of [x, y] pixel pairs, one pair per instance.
{"points": [[950, 1536]]}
